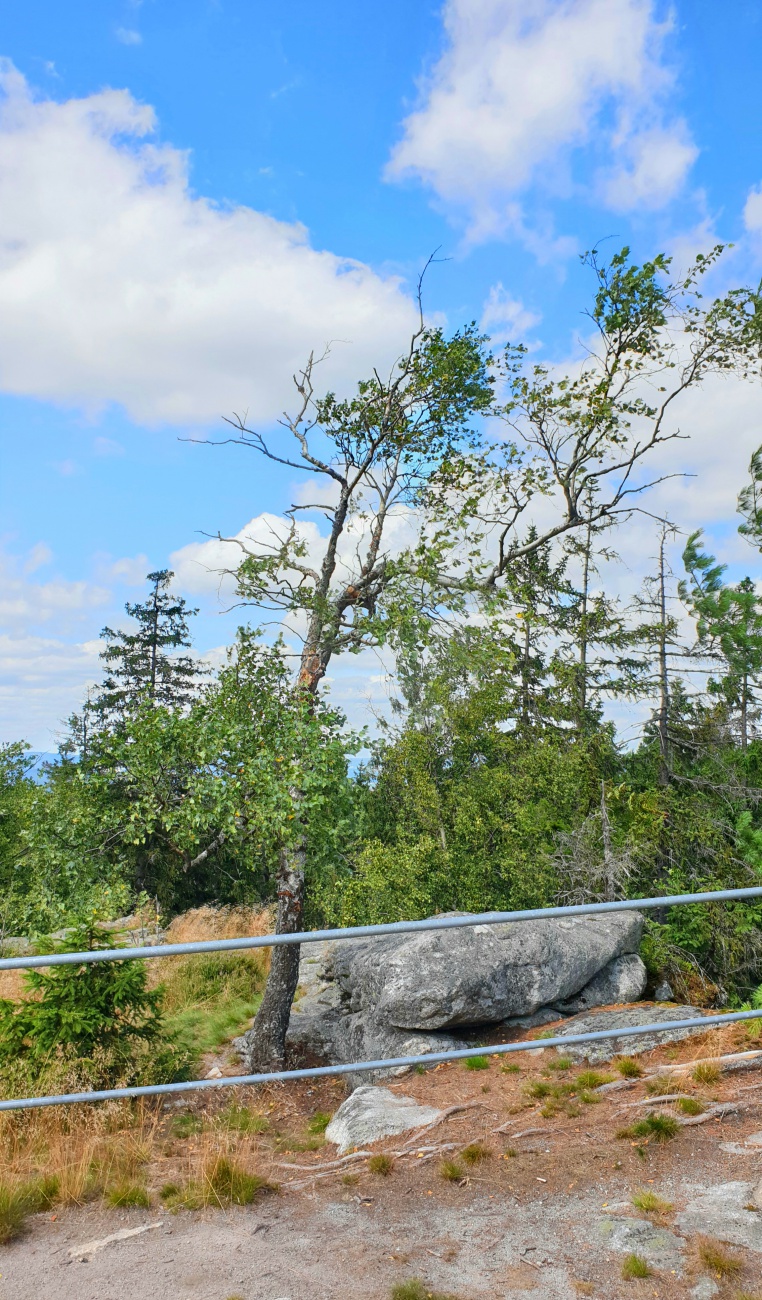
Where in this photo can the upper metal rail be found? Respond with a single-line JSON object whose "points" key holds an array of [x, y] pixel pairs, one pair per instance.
{"points": [[368, 931], [360, 1067]]}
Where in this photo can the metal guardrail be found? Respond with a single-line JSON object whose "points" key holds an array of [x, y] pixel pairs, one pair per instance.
{"points": [[388, 1063], [363, 932], [371, 931]]}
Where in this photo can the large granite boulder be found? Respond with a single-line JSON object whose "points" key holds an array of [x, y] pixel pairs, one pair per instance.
{"points": [[414, 994], [483, 974]]}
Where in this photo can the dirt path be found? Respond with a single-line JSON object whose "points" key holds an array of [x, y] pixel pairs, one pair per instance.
{"points": [[470, 1242], [547, 1213]]}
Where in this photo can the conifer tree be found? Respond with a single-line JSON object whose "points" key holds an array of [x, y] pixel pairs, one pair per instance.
{"points": [[140, 665]]}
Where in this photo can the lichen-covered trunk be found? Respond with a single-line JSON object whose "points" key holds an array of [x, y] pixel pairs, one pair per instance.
{"points": [[266, 1040]]}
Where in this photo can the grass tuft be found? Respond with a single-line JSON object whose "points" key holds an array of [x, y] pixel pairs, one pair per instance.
{"points": [[628, 1068], [510, 1067], [319, 1122], [539, 1089], [707, 1072], [381, 1164], [476, 1063], [451, 1171], [662, 1085], [717, 1259], [415, 1289], [122, 1194], [16, 1202], [650, 1203], [690, 1106], [475, 1152], [186, 1125], [242, 1120], [563, 1063], [659, 1127], [592, 1079], [635, 1266]]}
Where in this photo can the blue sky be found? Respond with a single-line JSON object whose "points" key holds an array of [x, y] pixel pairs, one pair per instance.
{"points": [[192, 195]]}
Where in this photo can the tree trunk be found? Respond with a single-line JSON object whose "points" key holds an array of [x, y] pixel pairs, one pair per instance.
{"points": [[582, 686], [266, 1040], [663, 724]]}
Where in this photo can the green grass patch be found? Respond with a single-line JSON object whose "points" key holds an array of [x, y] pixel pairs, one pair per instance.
{"points": [[707, 1072], [690, 1106], [476, 1063], [662, 1128], [451, 1171], [223, 1183], [239, 1119], [475, 1152], [415, 1289], [588, 1079], [649, 1203], [634, 1266], [122, 1194], [211, 997], [319, 1122], [20, 1200], [629, 1068], [185, 1125], [563, 1063], [662, 1085]]}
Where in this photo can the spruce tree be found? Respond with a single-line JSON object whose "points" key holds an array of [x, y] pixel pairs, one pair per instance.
{"points": [[141, 667]]}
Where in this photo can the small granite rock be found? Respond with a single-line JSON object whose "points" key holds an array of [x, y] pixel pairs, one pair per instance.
{"points": [[658, 1246], [663, 992], [705, 1289], [371, 1113], [645, 1013], [721, 1212]]}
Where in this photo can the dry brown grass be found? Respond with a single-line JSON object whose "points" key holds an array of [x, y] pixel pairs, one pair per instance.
{"points": [[219, 923]]}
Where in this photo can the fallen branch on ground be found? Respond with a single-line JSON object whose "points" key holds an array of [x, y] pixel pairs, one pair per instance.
{"points": [[451, 1110]]}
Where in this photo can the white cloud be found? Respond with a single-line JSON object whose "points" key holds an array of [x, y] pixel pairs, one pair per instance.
{"points": [[39, 556], [107, 447], [178, 309], [25, 604], [128, 36], [519, 87], [42, 681], [653, 169], [130, 570], [752, 213], [505, 318]]}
